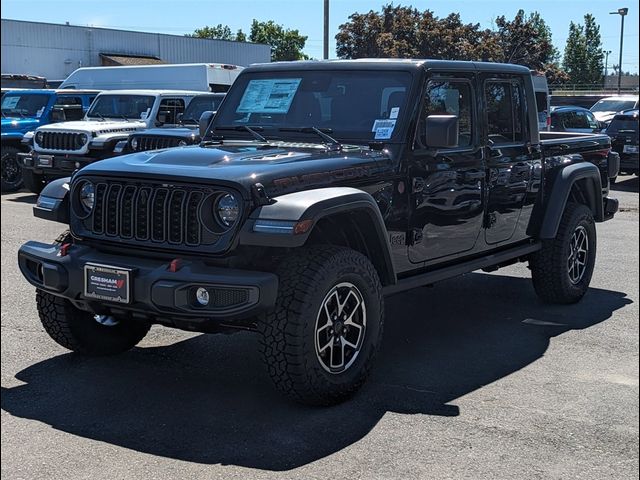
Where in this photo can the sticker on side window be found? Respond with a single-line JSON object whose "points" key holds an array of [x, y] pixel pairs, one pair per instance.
{"points": [[145, 114], [39, 112], [269, 95]]}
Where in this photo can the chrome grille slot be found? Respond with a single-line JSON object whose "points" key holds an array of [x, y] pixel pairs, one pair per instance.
{"points": [[98, 209], [112, 206], [192, 228], [126, 216], [158, 214], [176, 212], [142, 213]]}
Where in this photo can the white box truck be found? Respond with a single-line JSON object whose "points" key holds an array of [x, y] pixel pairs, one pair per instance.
{"points": [[202, 77]]}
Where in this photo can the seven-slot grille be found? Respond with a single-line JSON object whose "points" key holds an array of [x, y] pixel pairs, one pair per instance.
{"points": [[61, 141], [154, 143], [148, 212]]}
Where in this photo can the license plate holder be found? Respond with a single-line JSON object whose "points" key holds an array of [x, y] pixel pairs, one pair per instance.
{"points": [[45, 161], [630, 149], [107, 282]]}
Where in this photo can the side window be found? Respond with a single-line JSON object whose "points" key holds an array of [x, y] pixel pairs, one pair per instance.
{"points": [[170, 108], [593, 123], [505, 112], [449, 98]]}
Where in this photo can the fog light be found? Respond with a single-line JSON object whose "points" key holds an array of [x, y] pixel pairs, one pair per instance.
{"points": [[202, 295], [77, 164]]}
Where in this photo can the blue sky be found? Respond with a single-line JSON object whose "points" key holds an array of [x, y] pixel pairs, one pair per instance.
{"points": [[183, 16]]}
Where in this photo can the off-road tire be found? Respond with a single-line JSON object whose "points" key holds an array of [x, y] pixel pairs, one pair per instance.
{"points": [[549, 266], [288, 330], [14, 182], [78, 331], [32, 181]]}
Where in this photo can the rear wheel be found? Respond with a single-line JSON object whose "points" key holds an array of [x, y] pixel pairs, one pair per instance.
{"points": [[33, 181], [320, 339], [11, 173], [562, 269]]}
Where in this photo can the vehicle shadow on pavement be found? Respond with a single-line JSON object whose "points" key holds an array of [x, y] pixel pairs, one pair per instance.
{"points": [[630, 184], [207, 399], [23, 197]]}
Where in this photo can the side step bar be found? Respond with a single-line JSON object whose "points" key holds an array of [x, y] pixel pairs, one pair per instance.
{"points": [[445, 273]]}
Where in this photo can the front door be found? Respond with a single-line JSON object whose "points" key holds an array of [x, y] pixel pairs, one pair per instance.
{"points": [[509, 157], [447, 185]]}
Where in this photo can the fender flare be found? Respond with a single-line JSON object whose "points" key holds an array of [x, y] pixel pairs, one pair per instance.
{"points": [[311, 206], [589, 176], [53, 202]]}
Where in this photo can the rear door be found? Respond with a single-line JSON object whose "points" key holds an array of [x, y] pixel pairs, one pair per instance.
{"points": [[447, 184], [509, 155]]}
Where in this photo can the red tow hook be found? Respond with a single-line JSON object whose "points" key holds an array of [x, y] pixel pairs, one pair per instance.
{"points": [[64, 249], [175, 265]]}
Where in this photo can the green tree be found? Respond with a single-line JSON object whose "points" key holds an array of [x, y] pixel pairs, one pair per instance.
{"points": [[285, 44], [583, 55], [219, 32]]}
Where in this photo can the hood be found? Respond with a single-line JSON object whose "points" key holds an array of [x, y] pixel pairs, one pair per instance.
{"points": [[23, 124], [94, 126], [282, 168]]}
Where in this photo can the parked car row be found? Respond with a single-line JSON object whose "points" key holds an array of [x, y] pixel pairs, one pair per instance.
{"points": [[48, 134]]}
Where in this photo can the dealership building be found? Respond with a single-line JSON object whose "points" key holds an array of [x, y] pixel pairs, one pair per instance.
{"points": [[54, 51]]}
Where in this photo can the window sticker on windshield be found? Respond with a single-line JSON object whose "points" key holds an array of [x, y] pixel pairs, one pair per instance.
{"points": [[10, 102], [394, 112], [145, 114], [383, 133], [39, 112], [269, 96], [383, 123]]}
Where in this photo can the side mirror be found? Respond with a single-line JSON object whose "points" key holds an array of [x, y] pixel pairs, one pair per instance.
{"points": [[441, 131], [162, 118], [205, 120]]}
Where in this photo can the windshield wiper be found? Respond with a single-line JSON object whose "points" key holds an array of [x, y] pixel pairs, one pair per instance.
{"points": [[190, 121], [122, 115], [96, 114], [329, 142], [246, 128]]}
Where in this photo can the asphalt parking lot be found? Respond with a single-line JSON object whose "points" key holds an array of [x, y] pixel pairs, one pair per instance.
{"points": [[476, 379]]}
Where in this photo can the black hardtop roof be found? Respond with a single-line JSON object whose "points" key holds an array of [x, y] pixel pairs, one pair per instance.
{"points": [[390, 64], [628, 113]]}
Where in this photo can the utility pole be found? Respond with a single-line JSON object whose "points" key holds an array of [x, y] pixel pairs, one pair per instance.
{"points": [[622, 12], [606, 68], [326, 30]]}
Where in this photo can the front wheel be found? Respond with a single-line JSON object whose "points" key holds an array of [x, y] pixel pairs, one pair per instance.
{"points": [[562, 269], [11, 174], [320, 340]]}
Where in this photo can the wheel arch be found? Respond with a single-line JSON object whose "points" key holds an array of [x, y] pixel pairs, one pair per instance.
{"points": [[580, 183], [340, 216]]}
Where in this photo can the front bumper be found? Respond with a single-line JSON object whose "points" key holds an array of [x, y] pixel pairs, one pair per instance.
{"points": [[157, 293], [53, 165]]}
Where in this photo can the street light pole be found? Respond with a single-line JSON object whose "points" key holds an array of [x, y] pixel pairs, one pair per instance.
{"points": [[326, 29], [622, 12]]}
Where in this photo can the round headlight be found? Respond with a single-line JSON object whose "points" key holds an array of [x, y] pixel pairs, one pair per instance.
{"points": [[87, 196], [134, 143], [182, 143], [81, 139], [227, 209], [39, 137]]}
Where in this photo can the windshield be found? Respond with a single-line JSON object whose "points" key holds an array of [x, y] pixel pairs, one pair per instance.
{"points": [[349, 105], [198, 106], [121, 106], [629, 124], [613, 105], [24, 105]]}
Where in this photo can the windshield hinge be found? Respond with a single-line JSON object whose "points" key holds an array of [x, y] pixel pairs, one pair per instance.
{"points": [[259, 195]]}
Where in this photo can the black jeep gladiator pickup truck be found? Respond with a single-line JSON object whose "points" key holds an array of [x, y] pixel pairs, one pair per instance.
{"points": [[318, 189]]}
